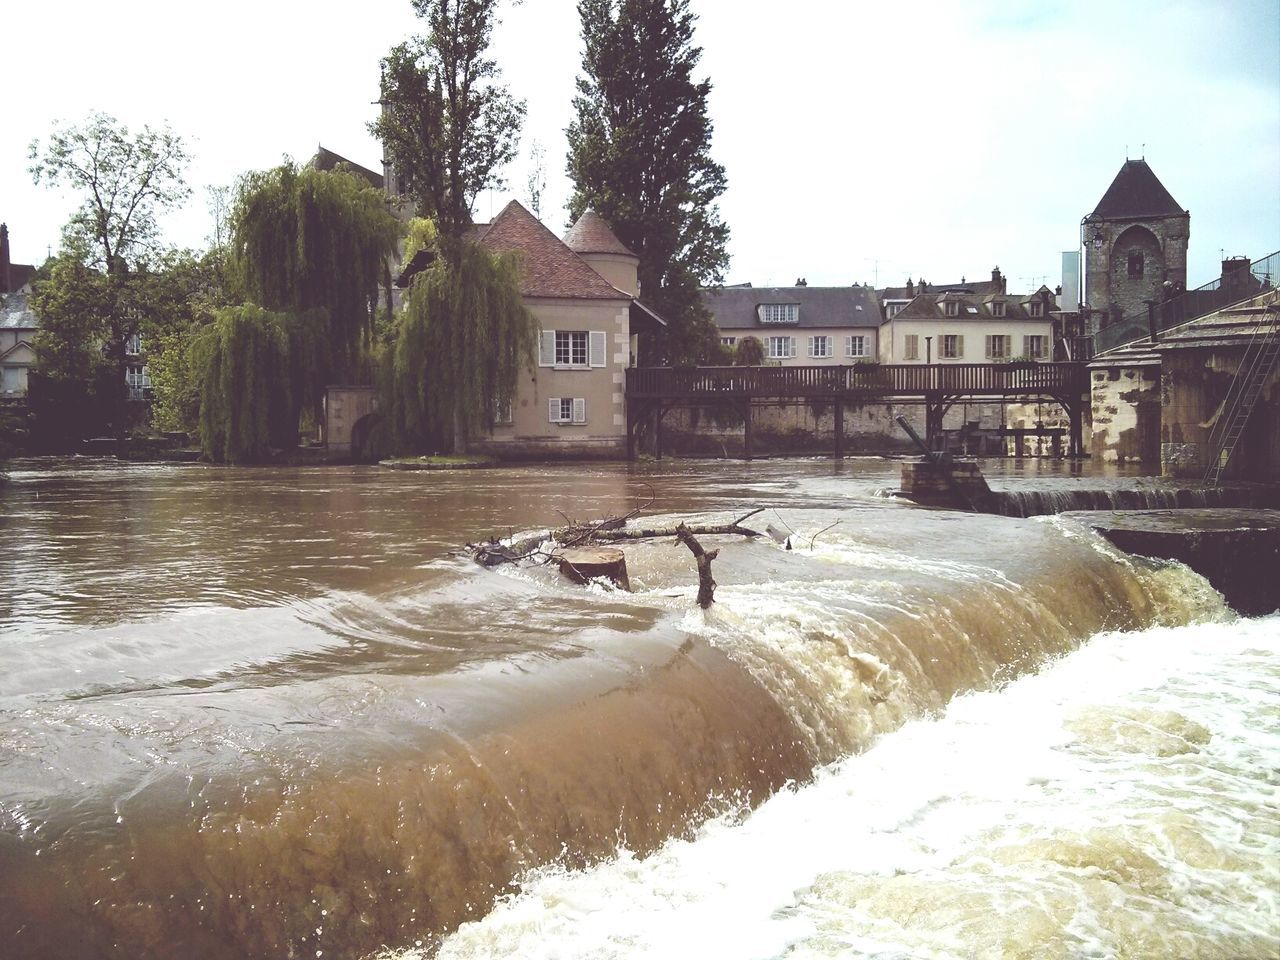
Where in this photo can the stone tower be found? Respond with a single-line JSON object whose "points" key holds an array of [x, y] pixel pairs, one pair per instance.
{"points": [[1135, 240]]}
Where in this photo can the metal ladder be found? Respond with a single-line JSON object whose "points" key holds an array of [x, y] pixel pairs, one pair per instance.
{"points": [[1260, 359]]}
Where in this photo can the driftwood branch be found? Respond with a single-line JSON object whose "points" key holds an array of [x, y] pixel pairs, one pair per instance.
{"points": [[706, 585]]}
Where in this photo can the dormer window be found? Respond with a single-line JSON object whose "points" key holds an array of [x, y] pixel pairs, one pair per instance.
{"points": [[951, 308], [779, 313], [997, 308], [1037, 308]]}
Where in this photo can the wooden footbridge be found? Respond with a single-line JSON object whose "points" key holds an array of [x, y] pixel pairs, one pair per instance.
{"points": [[653, 391]]}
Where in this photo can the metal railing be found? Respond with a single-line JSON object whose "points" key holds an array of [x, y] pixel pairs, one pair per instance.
{"points": [[1235, 286], [905, 379]]}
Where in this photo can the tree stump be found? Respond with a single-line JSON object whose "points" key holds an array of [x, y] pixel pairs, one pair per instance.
{"points": [[582, 564]]}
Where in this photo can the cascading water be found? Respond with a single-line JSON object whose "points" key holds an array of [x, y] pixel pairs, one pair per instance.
{"points": [[291, 726]]}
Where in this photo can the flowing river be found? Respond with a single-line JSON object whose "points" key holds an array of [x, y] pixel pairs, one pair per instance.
{"points": [[266, 713]]}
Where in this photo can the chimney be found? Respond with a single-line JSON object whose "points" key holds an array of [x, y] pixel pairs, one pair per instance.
{"points": [[801, 282], [911, 288], [5, 273]]}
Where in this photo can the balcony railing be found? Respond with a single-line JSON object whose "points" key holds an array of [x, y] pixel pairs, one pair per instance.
{"points": [[858, 380], [1233, 287]]}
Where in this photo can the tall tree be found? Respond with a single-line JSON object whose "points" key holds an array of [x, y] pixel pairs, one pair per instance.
{"points": [[125, 180], [448, 124], [640, 156], [315, 240], [469, 321]]}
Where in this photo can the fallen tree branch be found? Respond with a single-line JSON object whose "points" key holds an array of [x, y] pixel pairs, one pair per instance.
{"points": [[706, 585]]}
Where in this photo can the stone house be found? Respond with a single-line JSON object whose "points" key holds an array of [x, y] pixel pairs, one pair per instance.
{"points": [[584, 292], [800, 325], [18, 322], [967, 326]]}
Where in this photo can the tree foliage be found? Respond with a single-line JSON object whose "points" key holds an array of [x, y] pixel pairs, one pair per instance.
{"points": [[254, 368], [315, 242], [464, 336], [449, 126], [749, 352], [125, 180], [639, 155]]}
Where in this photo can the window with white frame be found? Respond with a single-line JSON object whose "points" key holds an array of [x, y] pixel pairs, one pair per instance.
{"points": [[567, 410], [779, 313], [951, 308], [138, 378], [728, 341], [1037, 308], [911, 347], [820, 347], [1035, 346], [133, 345], [572, 349], [855, 346], [952, 346], [997, 308], [998, 345], [502, 414], [779, 348]]}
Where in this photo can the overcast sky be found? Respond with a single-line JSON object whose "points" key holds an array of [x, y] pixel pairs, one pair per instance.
{"points": [[864, 141]]}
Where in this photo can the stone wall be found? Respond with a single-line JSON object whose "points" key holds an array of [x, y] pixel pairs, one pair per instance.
{"points": [[1126, 416], [1193, 387]]}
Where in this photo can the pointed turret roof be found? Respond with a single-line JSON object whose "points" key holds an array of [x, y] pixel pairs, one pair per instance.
{"points": [[1136, 192], [591, 234], [551, 269]]}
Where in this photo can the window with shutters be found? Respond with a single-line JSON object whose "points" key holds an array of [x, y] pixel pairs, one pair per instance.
{"points": [[1035, 347], [911, 347], [855, 346], [998, 346], [573, 349], [952, 346], [820, 347], [779, 348], [567, 410]]}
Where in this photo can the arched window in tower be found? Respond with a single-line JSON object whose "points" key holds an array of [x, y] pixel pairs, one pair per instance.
{"points": [[1135, 263]]}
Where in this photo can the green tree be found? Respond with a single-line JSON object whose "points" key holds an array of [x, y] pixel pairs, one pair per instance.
{"points": [[470, 320], [749, 352], [315, 242], [253, 368], [448, 124], [639, 155], [125, 181]]}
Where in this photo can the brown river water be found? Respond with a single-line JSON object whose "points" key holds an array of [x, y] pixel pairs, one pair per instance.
{"points": [[268, 713]]}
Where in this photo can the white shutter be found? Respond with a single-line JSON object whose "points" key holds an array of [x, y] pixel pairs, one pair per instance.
{"points": [[597, 345], [547, 349], [553, 410], [848, 346], [813, 346], [791, 346], [579, 410]]}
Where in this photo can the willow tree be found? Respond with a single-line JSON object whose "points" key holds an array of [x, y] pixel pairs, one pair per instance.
{"points": [[305, 241], [464, 336], [254, 369]]}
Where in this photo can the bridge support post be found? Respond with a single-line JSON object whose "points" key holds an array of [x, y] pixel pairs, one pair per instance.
{"points": [[1076, 412], [657, 431], [746, 430], [839, 430]]}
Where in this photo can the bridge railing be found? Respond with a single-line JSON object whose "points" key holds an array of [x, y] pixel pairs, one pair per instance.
{"points": [[904, 379]]}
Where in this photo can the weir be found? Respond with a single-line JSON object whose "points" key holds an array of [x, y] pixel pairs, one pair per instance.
{"points": [[365, 756]]}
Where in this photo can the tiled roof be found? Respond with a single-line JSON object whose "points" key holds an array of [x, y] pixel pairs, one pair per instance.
{"points": [[976, 287], [551, 269], [735, 308], [16, 312], [928, 306], [1135, 193], [328, 160], [591, 234]]}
